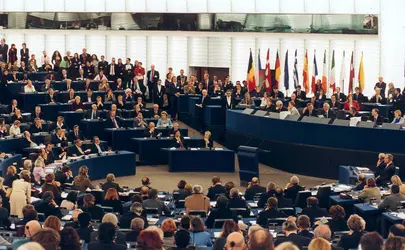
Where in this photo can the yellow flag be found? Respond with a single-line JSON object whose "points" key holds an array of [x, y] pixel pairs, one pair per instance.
{"points": [[361, 74]]}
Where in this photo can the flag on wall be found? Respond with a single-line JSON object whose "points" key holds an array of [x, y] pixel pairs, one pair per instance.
{"points": [[251, 74], [314, 74], [286, 73], [267, 73], [324, 74], [305, 73], [277, 72], [361, 73], [296, 80], [332, 77], [259, 67], [342, 74], [351, 80]]}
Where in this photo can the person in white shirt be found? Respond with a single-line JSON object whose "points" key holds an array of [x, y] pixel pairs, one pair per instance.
{"points": [[96, 148], [45, 59], [15, 129], [100, 77], [293, 110], [29, 88], [263, 99]]}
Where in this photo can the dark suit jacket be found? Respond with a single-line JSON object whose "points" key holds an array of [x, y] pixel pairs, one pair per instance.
{"points": [[125, 220], [299, 241], [132, 236], [264, 215], [306, 233], [35, 129], [264, 197], [3, 52], [336, 105], [350, 241], [84, 233], [302, 95], [329, 114], [149, 134], [205, 101], [25, 55], [381, 100], [358, 97], [84, 59], [378, 121], [237, 203], [94, 150], [314, 212], [97, 245], [71, 136], [155, 79], [306, 113], [55, 139], [50, 158], [113, 185], [74, 151], [292, 192], [213, 191], [340, 97], [89, 112], [95, 212], [387, 173], [338, 225], [225, 104], [253, 190], [224, 213], [109, 122], [284, 202]]}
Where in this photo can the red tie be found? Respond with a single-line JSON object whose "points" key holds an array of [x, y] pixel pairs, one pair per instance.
{"points": [[152, 75], [114, 123]]}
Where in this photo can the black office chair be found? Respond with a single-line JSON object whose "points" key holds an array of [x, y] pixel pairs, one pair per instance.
{"points": [[199, 213], [218, 223], [290, 211], [41, 217], [323, 195], [241, 211], [98, 195], [256, 197], [180, 204], [154, 212], [175, 194], [274, 222], [107, 209], [301, 199]]}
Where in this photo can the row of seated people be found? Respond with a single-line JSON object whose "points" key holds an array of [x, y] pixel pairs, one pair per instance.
{"points": [[295, 230]]}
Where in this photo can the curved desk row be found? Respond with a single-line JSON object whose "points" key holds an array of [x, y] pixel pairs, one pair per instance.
{"points": [[121, 164], [311, 148], [5, 163]]}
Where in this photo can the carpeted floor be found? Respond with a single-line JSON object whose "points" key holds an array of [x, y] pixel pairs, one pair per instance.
{"points": [[163, 180]]}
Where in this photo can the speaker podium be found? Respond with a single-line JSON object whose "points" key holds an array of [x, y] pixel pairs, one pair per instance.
{"points": [[248, 158]]}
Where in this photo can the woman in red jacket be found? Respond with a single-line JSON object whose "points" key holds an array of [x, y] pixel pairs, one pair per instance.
{"points": [[351, 103]]}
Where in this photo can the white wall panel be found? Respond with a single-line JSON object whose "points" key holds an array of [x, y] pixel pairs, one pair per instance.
{"points": [[75, 6], [197, 6], [157, 53], [292, 6], [136, 6], [95, 5], [367, 6], [177, 6], [115, 5], [264, 43], [219, 52], [242, 6], [198, 51], [116, 47], [55, 42], [37, 6], [216, 6], [339, 46], [371, 63], [341, 6], [291, 45], [240, 57], [16, 38], [316, 6], [263, 6], [36, 44], [177, 54], [136, 48], [156, 6], [13, 5], [75, 43], [96, 44], [54, 5]]}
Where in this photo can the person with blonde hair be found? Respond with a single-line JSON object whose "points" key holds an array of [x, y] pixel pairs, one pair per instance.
{"points": [[286, 246], [20, 194], [319, 244], [10, 176], [292, 188], [398, 119], [397, 181], [81, 182], [110, 178], [356, 225]]}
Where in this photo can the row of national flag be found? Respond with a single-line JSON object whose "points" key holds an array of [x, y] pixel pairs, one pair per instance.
{"points": [[269, 85]]}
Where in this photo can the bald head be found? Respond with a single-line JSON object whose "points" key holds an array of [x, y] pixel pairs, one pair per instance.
{"points": [[323, 231], [31, 228], [235, 241], [261, 240]]}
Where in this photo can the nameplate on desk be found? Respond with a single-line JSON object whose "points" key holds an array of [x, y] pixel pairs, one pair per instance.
{"points": [[194, 149], [252, 204], [172, 148], [218, 149], [187, 137]]}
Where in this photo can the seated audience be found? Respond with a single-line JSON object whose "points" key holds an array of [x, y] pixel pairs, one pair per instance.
{"points": [[135, 211], [397, 181], [264, 197], [303, 225], [164, 121], [48, 238], [111, 199], [149, 239], [338, 221], [270, 212], [292, 188], [290, 230], [69, 240], [370, 191], [169, 228], [209, 143], [70, 202], [398, 119], [375, 117], [198, 235], [137, 225], [89, 206], [235, 201], [52, 186], [197, 201], [81, 182], [356, 225], [110, 183], [48, 205], [393, 201], [85, 228], [30, 229], [182, 192], [111, 219], [53, 222], [313, 210], [154, 202], [216, 189], [254, 189], [228, 228], [361, 182], [372, 241], [181, 239], [221, 211], [282, 201], [106, 238]]}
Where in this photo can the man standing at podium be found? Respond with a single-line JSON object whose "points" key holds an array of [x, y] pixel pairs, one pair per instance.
{"points": [[254, 188], [388, 172]]}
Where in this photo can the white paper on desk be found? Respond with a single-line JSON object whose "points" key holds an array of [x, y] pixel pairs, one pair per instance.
{"points": [[216, 234], [64, 195], [251, 213], [187, 137], [213, 203], [354, 121], [401, 215], [67, 217], [161, 196], [193, 148], [362, 169], [152, 221], [173, 148], [252, 222], [34, 199], [252, 204], [219, 149]]}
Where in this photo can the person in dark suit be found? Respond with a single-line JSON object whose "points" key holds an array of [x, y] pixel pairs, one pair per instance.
{"points": [[151, 132], [254, 189], [375, 117], [304, 224], [128, 72], [51, 97], [36, 127], [145, 183], [112, 70], [96, 146], [276, 94], [112, 121], [85, 228], [228, 102], [84, 57], [50, 157], [178, 140], [89, 206], [216, 189], [137, 225], [292, 188], [153, 202], [204, 102], [388, 171], [59, 136], [327, 112], [378, 97], [75, 134], [393, 201], [290, 231], [102, 64], [153, 78], [299, 93], [24, 54], [155, 113], [110, 183], [235, 201], [358, 96], [324, 232], [338, 221], [264, 196], [62, 151], [37, 114], [48, 206], [92, 113], [356, 226], [3, 50], [397, 97], [209, 143], [334, 103], [221, 211], [353, 113], [309, 110], [361, 182], [313, 210], [135, 211], [76, 150], [340, 97], [381, 85], [106, 239], [158, 92], [271, 212], [282, 201]]}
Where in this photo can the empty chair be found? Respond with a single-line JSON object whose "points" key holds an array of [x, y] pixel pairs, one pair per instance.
{"points": [[290, 211], [301, 199]]}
